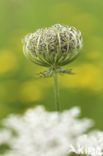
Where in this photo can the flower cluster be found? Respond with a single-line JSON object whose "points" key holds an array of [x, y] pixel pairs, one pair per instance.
{"points": [[54, 46], [42, 133], [89, 144]]}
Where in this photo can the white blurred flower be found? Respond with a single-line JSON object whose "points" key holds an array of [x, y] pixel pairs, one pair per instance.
{"points": [[42, 133], [5, 136], [90, 144]]}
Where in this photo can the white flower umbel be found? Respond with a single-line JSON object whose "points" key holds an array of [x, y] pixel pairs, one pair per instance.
{"points": [[90, 144], [42, 133]]}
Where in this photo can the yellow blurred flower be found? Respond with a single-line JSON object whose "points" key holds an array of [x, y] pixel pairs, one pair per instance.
{"points": [[88, 76], [8, 61], [30, 92]]}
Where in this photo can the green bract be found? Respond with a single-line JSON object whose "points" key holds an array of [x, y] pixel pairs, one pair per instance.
{"points": [[53, 47]]}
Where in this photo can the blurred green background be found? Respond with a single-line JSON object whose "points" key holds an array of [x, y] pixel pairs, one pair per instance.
{"points": [[20, 87]]}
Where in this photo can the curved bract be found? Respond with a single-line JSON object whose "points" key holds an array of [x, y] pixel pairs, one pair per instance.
{"points": [[54, 46]]}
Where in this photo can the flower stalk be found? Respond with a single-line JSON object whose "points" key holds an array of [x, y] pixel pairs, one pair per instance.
{"points": [[56, 90]]}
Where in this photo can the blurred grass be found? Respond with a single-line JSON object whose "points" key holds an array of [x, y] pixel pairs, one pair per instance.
{"points": [[19, 86]]}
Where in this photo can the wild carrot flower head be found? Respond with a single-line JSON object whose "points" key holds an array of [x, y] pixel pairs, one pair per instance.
{"points": [[42, 133], [90, 144], [55, 46]]}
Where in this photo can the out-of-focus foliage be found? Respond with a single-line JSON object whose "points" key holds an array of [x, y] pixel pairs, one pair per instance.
{"points": [[20, 87]]}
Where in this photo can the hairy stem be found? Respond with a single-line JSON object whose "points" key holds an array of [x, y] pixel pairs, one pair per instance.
{"points": [[56, 89]]}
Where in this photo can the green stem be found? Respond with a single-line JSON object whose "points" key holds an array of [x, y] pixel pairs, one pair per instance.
{"points": [[56, 89]]}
